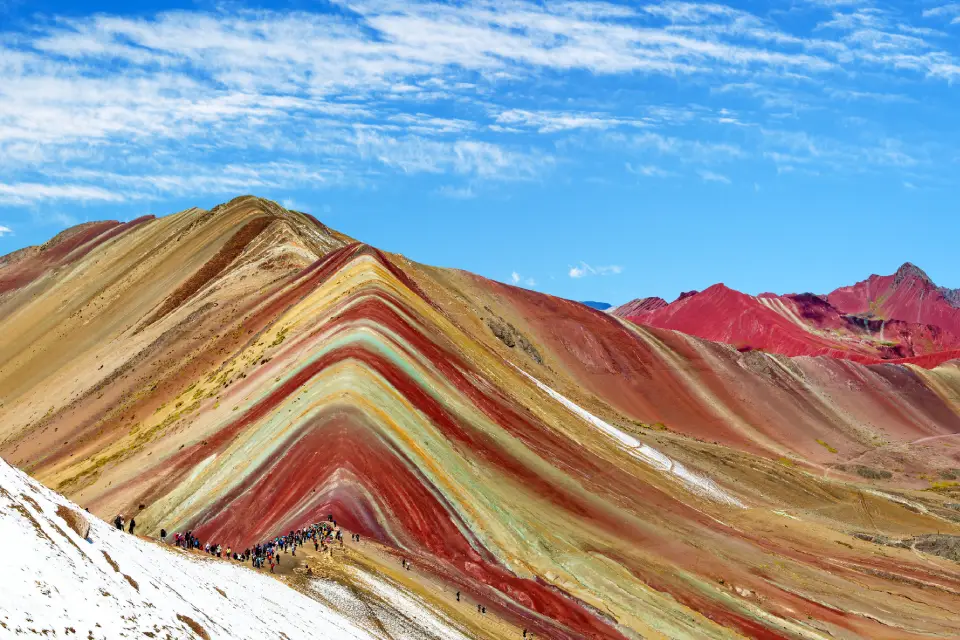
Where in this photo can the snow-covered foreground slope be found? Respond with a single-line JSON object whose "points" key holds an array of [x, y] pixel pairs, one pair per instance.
{"points": [[55, 583]]}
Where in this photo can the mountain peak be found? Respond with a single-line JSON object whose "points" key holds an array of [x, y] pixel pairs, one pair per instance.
{"points": [[909, 271]]}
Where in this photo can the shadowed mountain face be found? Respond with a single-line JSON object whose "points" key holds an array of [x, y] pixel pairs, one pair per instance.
{"points": [[245, 370]]}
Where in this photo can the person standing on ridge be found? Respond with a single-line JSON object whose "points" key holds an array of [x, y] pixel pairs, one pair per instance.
{"points": [[118, 522], [133, 523], [163, 535]]}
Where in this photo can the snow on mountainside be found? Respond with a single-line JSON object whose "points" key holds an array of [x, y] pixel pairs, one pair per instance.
{"points": [[56, 583]]}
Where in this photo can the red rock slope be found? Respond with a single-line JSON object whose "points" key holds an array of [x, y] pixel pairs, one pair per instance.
{"points": [[638, 306], [909, 295], [896, 317]]}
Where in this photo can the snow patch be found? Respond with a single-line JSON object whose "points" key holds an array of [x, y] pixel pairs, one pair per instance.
{"points": [[916, 506], [698, 484], [402, 614]]}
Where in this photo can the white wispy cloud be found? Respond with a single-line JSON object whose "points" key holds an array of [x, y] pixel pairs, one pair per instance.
{"points": [[837, 4], [107, 108], [30, 193], [711, 176], [851, 94], [687, 150], [5, 231], [949, 11], [649, 171], [457, 193], [417, 154], [584, 269], [517, 279], [188, 178], [554, 121]]}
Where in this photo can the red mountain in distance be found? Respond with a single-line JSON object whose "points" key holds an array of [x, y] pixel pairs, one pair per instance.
{"points": [[638, 306], [904, 317], [908, 295]]}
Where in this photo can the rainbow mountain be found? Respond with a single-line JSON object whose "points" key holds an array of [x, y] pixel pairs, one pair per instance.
{"points": [[245, 370]]}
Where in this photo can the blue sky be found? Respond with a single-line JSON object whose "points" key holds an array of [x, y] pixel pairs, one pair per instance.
{"points": [[591, 150]]}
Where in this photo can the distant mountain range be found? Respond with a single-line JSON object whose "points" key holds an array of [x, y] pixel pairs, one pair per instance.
{"points": [[901, 316], [599, 306]]}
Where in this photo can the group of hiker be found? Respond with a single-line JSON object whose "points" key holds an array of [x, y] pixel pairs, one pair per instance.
{"points": [[118, 522], [321, 534]]}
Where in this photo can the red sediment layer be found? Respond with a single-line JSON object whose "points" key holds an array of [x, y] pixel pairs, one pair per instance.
{"points": [[296, 487], [798, 605], [212, 268], [928, 361], [476, 443], [48, 257], [289, 491], [907, 295], [613, 363], [109, 235], [640, 305], [74, 246], [560, 451]]}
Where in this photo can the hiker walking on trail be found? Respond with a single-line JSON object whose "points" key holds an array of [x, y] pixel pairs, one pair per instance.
{"points": [[133, 523], [163, 535], [118, 522], [458, 596]]}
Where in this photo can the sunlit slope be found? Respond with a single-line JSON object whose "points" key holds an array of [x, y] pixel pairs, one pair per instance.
{"points": [[590, 478], [128, 322]]}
